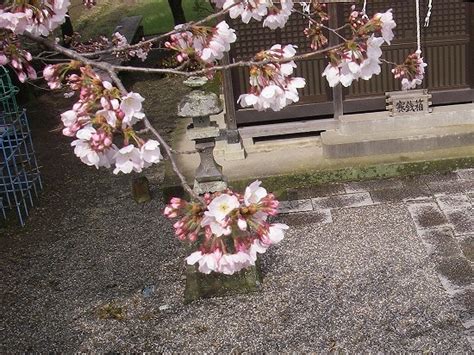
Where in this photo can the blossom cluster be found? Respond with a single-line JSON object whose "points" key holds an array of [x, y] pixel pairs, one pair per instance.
{"points": [[18, 58], [121, 49], [411, 72], [229, 229], [100, 114], [89, 3], [202, 44], [36, 17], [314, 31], [272, 85], [276, 14], [359, 58], [18, 17]]}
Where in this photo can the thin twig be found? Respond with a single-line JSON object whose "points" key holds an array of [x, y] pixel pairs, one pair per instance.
{"points": [[113, 75], [169, 153], [319, 23], [388, 62], [183, 28], [121, 68]]}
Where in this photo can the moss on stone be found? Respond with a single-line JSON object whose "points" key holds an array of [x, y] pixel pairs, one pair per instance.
{"points": [[278, 184], [199, 285]]}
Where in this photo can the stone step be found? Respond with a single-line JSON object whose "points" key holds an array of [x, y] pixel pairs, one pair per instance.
{"points": [[338, 145], [381, 121]]}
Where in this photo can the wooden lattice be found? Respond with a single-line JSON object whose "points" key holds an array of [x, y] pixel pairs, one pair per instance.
{"points": [[445, 43]]}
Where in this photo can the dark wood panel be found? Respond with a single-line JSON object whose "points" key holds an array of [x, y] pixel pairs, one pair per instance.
{"points": [[447, 47]]}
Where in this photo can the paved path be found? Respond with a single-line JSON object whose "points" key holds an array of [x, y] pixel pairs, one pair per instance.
{"points": [[441, 210], [382, 266]]}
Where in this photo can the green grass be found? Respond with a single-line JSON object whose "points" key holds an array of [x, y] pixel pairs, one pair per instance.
{"points": [[157, 17]]}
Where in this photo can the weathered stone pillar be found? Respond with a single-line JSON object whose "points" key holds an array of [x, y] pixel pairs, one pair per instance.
{"points": [[200, 105]]}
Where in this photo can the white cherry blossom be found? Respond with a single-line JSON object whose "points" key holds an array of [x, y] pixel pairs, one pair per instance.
{"points": [[128, 159], [131, 105], [247, 10], [388, 24], [87, 152], [221, 206], [254, 193], [150, 153]]}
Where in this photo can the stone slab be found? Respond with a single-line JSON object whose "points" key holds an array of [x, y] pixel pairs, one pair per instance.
{"points": [[203, 132], [464, 302], [306, 218], [440, 242], [337, 145], [451, 187], [342, 201], [438, 177], [465, 174], [467, 246], [293, 206], [453, 202], [211, 186], [427, 215], [371, 185], [381, 121], [456, 270], [199, 285], [316, 191], [401, 194], [234, 151], [462, 221]]}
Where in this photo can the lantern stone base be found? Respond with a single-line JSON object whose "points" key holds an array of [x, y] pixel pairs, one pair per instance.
{"points": [[141, 189], [234, 151], [209, 186], [199, 285]]}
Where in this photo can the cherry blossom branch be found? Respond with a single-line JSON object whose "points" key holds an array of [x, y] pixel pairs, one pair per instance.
{"points": [[184, 27], [109, 68], [312, 20], [240, 64], [388, 62], [113, 75], [174, 165]]}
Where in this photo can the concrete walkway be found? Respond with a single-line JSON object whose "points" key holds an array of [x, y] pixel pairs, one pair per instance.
{"points": [[371, 266], [439, 210]]}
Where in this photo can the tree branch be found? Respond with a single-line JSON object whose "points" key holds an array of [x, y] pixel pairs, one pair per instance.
{"points": [[121, 68], [113, 75], [169, 153], [185, 27]]}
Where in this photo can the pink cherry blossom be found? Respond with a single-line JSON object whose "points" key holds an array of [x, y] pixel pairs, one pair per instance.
{"points": [[93, 148], [411, 72]]}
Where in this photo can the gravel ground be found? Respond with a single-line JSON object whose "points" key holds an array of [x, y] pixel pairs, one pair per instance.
{"points": [[94, 272]]}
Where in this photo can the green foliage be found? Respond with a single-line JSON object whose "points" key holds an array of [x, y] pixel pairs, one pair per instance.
{"points": [[157, 17]]}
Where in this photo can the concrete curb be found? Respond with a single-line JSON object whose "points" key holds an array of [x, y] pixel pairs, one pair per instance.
{"points": [[278, 184]]}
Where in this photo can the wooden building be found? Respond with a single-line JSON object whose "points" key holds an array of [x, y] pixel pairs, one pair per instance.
{"points": [[448, 48]]}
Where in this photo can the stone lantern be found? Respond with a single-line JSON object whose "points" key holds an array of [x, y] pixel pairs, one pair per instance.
{"points": [[200, 105]]}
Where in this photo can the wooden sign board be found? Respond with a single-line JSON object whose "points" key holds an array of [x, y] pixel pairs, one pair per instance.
{"points": [[408, 102]]}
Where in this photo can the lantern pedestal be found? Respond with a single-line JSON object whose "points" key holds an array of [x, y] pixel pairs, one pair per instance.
{"points": [[199, 285], [200, 105], [141, 189]]}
